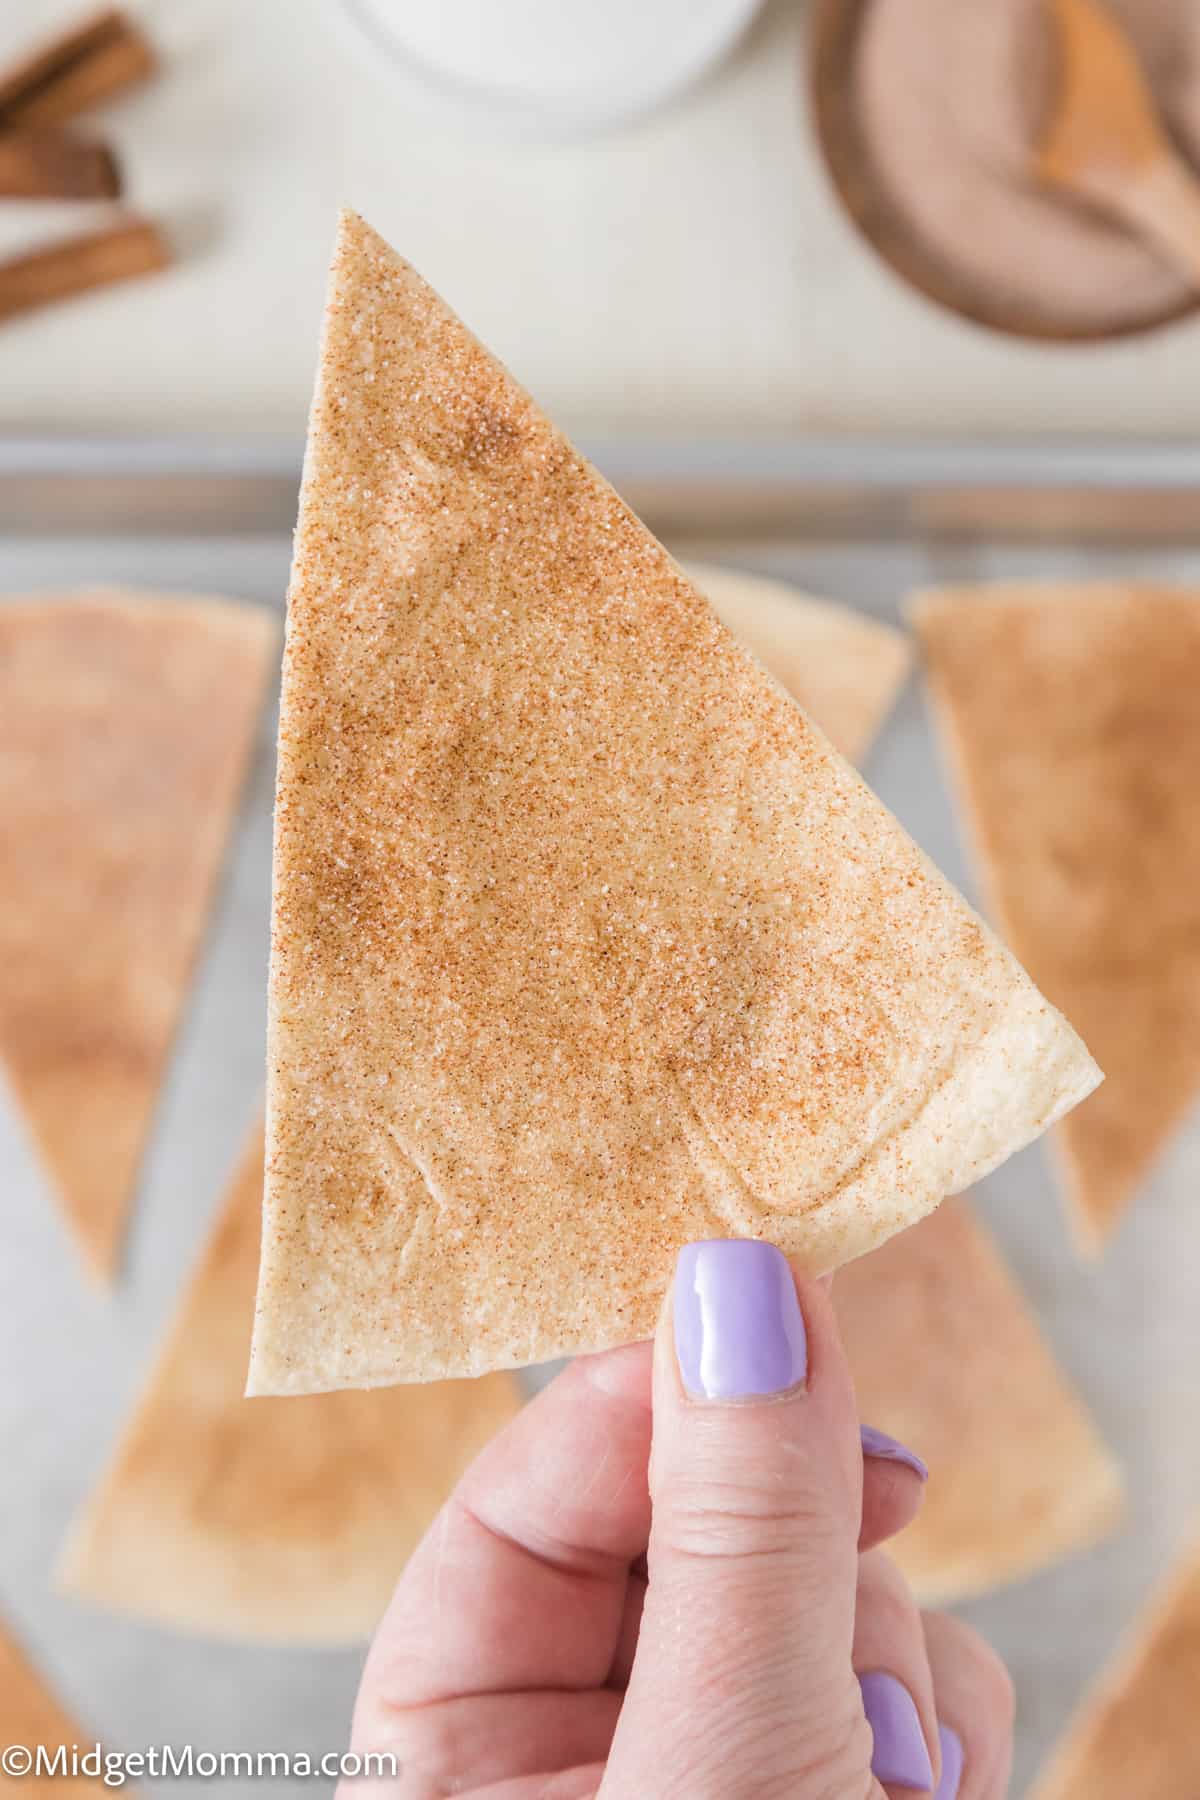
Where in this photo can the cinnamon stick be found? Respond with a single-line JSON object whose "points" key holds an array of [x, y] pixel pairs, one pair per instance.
{"points": [[79, 68], [53, 165], [134, 247]]}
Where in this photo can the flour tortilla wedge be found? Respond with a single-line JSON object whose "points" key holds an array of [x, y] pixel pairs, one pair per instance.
{"points": [[585, 943], [278, 1520], [30, 1716], [1138, 1733], [1073, 725], [932, 1322], [126, 722], [845, 670]]}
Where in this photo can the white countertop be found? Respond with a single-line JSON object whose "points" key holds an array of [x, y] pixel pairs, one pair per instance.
{"points": [[691, 272]]}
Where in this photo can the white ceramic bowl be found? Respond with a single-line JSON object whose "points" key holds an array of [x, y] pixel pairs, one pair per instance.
{"points": [[548, 69]]}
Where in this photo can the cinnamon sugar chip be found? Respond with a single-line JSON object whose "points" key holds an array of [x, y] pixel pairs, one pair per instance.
{"points": [[845, 670], [31, 1716], [931, 1321], [1072, 719], [126, 724], [585, 942], [1137, 1733], [278, 1520]]}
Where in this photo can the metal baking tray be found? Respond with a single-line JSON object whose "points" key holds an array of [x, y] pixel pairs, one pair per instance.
{"points": [[862, 523]]}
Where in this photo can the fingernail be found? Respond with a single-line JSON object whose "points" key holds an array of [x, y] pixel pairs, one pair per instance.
{"points": [[952, 1764], [900, 1755], [890, 1449], [738, 1325]]}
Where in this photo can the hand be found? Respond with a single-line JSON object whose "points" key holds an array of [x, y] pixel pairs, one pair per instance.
{"points": [[773, 1652]]}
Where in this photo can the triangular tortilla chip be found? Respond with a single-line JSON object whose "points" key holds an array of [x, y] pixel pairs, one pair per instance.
{"points": [[931, 1322], [31, 1716], [845, 670], [1137, 1736], [585, 943], [1072, 718], [282, 1520], [126, 722]]}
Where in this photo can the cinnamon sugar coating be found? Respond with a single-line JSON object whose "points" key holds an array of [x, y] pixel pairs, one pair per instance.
{"points": [[586, 943], [127, 720], [1071, 718]]}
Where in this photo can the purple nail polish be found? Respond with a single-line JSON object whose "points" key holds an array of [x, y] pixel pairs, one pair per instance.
{"points": [[890, 1449], [900, 1755], [952, 1764], [738, 1326]]}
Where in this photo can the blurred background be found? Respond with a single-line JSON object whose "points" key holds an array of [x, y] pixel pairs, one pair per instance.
{"points": [[837, 296], [691, 270]]}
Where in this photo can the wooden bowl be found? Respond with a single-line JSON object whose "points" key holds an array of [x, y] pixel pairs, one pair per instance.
{"points": [[835, 31]]}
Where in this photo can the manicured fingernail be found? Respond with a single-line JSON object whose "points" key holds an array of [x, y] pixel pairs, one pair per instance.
{"points": [[738, 1326], [900, 1755], [952, 1764], [890, 1449]]}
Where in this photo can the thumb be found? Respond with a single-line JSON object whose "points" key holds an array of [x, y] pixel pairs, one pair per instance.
{"points": [[742, 1684]]}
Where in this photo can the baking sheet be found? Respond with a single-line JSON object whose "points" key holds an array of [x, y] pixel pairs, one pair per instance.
{"points": [[861, 523]]}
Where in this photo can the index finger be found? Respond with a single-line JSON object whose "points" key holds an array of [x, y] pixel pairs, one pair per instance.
{"points": [[520, 1583]]}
